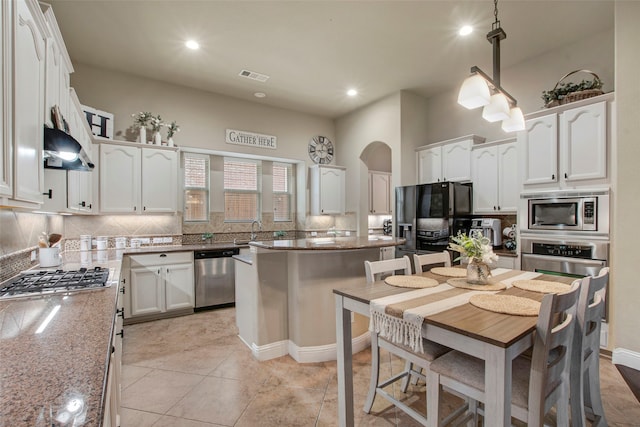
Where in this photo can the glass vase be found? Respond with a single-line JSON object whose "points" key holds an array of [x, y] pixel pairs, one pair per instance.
{"points": [[157, 138], [478, 272]]}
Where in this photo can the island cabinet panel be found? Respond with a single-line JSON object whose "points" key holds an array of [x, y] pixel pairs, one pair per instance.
{"points": [[179, 286], [327, 190], [379, 193], [147, 296], [569, 147], [29, 53], [447, 160], [495, 177]]}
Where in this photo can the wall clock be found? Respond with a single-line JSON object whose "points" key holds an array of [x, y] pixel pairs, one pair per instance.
{"points": [[321, 150]]}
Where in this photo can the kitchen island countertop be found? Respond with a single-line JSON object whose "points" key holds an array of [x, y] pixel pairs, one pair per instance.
{"points": [[330, 243]]}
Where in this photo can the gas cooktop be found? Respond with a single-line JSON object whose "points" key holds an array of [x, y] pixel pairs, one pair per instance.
{"points": [[46, 282]]}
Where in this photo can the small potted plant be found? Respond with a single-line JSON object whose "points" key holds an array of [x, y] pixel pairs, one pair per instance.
{"points": [[140, 121], [564, 93], [156, 125], [172, 129]]}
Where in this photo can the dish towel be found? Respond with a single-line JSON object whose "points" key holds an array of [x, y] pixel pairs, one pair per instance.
{"points": [[399, 317]]}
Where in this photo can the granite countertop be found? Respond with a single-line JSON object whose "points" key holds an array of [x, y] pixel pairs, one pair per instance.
{"points": [[57, 376], [330, 243]]}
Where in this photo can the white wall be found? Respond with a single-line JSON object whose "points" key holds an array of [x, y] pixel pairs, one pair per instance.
{"points": [[202, 116], [414, 129], [625, 295], [379, 121]]}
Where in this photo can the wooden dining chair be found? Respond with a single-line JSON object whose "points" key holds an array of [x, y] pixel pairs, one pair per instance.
{"points": [[586, 401], [421, 360], [538, 383], [420, 261]]}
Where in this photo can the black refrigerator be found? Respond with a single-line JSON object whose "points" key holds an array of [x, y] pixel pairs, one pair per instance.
{"points": [[406, 220], [442, 210]]}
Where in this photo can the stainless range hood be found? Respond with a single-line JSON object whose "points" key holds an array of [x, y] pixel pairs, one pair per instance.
{"points": [[62, 151]]}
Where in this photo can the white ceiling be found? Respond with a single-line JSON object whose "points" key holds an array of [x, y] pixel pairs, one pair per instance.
{"points": [[314, 51]]}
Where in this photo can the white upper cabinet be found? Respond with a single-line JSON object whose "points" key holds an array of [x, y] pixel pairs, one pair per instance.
{"points": [[327, 189], [29, 53], [583, 132], [159, 180], [539, 142], [119, 178], [379, 193], [430, 165], [568, 147], [6, 188], [138, 180], [446, 161], [495, 177]]}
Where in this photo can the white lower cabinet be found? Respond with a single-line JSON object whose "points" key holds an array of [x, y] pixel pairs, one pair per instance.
{"points": [[111, 410], [160, 283]]}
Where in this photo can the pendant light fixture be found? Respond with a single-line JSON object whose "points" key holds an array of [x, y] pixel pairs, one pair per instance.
{"points": [[479, 90]]}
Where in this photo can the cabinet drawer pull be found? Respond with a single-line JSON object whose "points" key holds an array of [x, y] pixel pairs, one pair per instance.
{"points": [[120, 312], [163, 255], [48, 193], [494, 208], [135, 208], [566, 176], [553, 176]]}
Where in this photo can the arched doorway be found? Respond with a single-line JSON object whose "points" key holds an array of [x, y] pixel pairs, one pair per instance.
{"points": [[376, 167]]}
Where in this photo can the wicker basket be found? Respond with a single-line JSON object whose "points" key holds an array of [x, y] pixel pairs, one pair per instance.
{"points": [[575, 96]]}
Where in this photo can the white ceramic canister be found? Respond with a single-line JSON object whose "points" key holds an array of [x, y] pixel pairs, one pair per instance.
{"points": [[85, 242], [121, 242], [102, 243], [50, 257]]}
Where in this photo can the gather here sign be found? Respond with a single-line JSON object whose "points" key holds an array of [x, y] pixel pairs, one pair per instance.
{"points": [[240, 137]]}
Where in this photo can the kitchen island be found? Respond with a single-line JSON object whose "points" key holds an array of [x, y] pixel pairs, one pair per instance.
{"points": [[284, 294]]}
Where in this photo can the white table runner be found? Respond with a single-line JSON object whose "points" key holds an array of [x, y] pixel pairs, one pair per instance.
{"points": [[407, 330]]}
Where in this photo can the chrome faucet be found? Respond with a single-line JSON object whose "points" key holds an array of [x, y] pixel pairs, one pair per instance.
{"points": [[254, 235]]}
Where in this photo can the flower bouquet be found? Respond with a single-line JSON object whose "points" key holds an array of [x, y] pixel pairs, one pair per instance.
{"points": [[478, 249]]}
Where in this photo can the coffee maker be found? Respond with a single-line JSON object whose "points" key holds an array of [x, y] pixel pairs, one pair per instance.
{"points": [[490, 228]]}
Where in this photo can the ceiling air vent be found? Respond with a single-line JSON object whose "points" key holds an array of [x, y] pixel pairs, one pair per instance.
{"points": [[254, 76]]}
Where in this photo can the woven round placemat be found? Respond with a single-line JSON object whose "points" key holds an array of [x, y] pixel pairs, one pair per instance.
{"points": [[491, 286], [411, 281], [449, 271], [542, 286], [507, 304]]}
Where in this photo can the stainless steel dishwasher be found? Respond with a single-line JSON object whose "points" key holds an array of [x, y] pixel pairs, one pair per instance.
{"points": [[214, 277]]}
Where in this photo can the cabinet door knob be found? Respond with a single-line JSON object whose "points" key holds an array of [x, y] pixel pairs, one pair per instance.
{"points": [[498, 207], [121, 333], [135, 207], [494, 208], [144, 208], [553, 176], [566, 176], [48, 193]]}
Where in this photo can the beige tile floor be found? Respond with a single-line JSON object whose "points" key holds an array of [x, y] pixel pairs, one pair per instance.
{"points": [[194, 371]]}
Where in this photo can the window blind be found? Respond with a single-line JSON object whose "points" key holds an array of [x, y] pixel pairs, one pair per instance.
{"points": [[196, 187], [241, 189], [282, 191]]}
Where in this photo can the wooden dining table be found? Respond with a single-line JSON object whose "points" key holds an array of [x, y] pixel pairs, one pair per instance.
{"points": [[493, 337]]}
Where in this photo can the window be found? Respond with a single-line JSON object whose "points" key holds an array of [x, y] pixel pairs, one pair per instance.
{"points": [[241, 189], [282, 191], [196, 187]]}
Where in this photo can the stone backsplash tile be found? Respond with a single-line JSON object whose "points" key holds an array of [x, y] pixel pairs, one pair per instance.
{"points": [[14, 263], [122, 225], [21, 230]]}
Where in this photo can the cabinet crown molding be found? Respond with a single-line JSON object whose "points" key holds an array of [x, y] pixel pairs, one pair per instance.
{"points": [[475, 139]]}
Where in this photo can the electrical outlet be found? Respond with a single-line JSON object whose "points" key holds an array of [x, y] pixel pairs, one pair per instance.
{"points": [[34, 255], [347, 233], [144, 240], [314, 233], [275, 234], [158, 240], [167, 240]]}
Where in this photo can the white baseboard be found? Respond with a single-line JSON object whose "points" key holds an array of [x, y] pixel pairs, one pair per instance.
{"points": [[270, 351], [622, 356], [325, 353]]}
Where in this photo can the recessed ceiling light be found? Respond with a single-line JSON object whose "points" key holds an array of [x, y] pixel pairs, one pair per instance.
{"points": [[465, 30], [260, 94], [192, 44], [352, 92]]}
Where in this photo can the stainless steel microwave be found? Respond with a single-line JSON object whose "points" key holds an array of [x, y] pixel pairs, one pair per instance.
{"points": [[589, 213]]}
